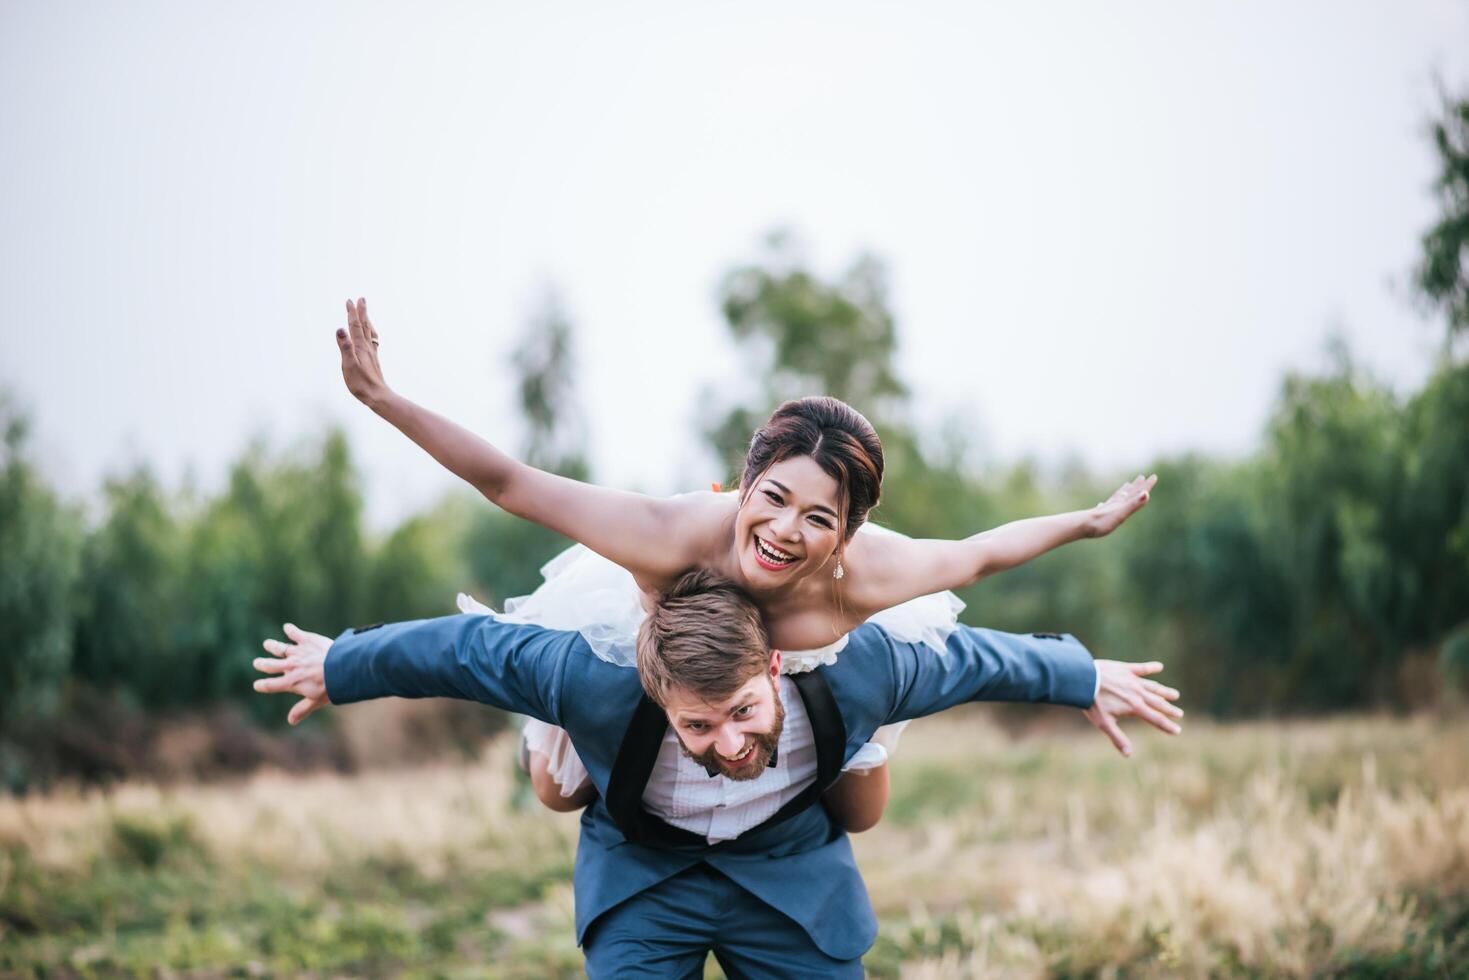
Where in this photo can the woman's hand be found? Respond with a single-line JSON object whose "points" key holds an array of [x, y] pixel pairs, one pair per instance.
{"points": [[360, 368], [1130, 498]]}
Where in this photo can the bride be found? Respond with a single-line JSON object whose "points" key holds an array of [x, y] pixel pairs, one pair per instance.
{"points": [[794, 536]]}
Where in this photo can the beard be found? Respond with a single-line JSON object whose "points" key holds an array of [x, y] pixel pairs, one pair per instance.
{"points": [[764, 747]]}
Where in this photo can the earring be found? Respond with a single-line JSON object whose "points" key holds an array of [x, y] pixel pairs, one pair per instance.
{"points": [[840, 571]]}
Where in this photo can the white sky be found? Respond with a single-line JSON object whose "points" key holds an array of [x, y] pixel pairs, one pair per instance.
{"points": [[1111, 226]]}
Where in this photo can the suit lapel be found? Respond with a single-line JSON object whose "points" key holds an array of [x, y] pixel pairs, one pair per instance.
{"points": [[826, 725], [831, 738], [635, 760]]}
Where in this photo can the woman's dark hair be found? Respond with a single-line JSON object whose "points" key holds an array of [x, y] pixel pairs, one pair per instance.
{"points": [[837, 437]]}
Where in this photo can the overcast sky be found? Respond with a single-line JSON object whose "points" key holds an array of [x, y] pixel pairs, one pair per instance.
{"points": [[1111, 227]]}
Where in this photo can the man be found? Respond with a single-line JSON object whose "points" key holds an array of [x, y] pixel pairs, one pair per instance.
{"points": [[707, 833]]}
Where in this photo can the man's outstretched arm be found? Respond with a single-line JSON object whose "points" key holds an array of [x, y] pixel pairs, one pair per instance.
{"points": [[517, 667], [988, 665]]}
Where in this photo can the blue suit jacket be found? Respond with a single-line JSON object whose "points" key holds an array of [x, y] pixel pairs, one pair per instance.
{"points": [[553, 675]]}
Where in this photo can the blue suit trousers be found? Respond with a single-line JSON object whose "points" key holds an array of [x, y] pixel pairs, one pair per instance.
{"points": [[670, 929]]}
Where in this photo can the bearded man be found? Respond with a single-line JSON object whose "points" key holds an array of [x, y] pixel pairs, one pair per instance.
{"points": [[708, 833]]}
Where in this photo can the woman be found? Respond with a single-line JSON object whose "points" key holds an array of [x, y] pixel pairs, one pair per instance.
{"points": [[788, 537]]}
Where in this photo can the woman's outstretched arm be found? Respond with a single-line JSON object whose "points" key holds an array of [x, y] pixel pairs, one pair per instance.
{"points": [[652, 537], [889, 569]]}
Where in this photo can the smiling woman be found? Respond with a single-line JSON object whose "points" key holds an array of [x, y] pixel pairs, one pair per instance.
{"points": [[812, 475], [789, 538]]}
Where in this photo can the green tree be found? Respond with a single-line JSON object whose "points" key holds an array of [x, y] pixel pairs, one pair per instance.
{"points": [[1334, 451], [505, 555], [130, 616], [323, 512], [226, 621], [1429, 529], [1302, 577], [422, 564], [283, 542], [1204, 589], [306, 511], [1443, 273], [1432, 533], [39, 542], [802, 335], [227, 575]]}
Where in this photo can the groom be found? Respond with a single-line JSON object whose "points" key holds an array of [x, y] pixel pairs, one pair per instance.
{"points": [[707, 833]]}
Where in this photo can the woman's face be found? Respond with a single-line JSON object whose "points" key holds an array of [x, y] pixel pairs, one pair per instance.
{"points": [[787, 527]]}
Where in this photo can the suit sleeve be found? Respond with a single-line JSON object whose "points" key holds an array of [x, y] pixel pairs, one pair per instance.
{"points": [[514, 666], [987, 665]]}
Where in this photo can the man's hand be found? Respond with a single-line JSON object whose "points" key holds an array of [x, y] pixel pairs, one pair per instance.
{"points": [[1125, 691], [299, 664], [1129, 498], [358, 344]]}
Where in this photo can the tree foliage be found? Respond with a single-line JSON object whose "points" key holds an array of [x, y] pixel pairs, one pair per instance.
{"points": [[1304, 576], [1443, 273], [801, 334], [39, 540], [175, 596], [130, 614], [1309, 575]]}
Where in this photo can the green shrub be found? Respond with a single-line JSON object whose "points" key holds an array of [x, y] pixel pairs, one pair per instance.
{"points": [[148, 842]]}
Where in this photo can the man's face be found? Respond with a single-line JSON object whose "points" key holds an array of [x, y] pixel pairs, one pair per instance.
{"points": [[737, 736]]}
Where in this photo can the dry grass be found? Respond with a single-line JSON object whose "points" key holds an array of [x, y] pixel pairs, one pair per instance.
{"points": [[1323, 848], [1270, 849], [305, 824]]}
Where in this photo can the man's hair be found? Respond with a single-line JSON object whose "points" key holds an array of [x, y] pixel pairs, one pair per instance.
{"points": [[704, 635]]}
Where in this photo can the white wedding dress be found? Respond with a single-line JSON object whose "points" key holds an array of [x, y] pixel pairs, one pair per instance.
{"points": [[585, 592]]}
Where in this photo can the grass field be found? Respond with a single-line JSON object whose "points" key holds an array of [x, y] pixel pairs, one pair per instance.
{"points": [[1332, 848]]}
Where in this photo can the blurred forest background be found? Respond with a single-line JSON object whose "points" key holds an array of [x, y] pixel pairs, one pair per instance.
{"points": [[1326, 570]]}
